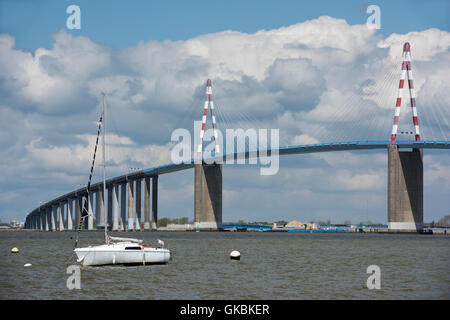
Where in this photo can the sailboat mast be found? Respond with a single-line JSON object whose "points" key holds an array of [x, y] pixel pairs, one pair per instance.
{"points": [[104, 168]]}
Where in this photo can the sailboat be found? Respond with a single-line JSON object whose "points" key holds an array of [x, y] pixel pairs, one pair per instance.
{"points": [[116, 250]]}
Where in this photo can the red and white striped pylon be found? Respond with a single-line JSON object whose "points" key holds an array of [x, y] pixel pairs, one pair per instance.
{"points": [[209, 102], [406, 70]]}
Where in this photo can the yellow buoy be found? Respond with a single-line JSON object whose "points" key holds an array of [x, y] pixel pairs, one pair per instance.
{"points": [[14, 250]]}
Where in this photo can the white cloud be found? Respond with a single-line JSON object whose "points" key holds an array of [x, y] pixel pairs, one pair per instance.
{"points": [[319, 80], [438, 172], [303, 139], [424, 44], [361, 181], [120, 153], [355, 159]]}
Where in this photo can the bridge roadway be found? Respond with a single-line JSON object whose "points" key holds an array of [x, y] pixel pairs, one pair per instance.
{"points": [[310, 148], [301, 149]]}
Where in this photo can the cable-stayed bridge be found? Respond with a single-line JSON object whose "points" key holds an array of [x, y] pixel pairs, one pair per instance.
{"points": [[122, 207]]}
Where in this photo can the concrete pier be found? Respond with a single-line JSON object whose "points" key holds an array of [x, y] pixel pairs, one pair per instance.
{"points": [[46, 220], [100, 208], [69, 215], [405, 190], [53, 215], [48, 214], [123, 206], [208, 196], [147, 203], [38, 221], [90, 218], [138, 204], [130, 205], [61, 217], [154, 203], [109, 207], [43, 212], [78, 206], [115, 208]]}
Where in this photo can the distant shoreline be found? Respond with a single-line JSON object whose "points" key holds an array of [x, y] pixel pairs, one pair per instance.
{"points": [[378, 231]]}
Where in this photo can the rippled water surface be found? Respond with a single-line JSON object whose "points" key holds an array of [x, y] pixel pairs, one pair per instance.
{"points": [[272, 266]]}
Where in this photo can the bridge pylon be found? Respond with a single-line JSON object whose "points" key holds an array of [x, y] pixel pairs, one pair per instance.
{"points": [[207, 178], [405, 168], [208, 196]]}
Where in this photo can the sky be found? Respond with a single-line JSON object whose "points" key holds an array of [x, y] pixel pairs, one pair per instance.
{"points": [[313, 70]]}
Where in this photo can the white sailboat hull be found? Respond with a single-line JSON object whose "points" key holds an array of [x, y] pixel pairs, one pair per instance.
{"points": [[121, 254], [116, 250]]}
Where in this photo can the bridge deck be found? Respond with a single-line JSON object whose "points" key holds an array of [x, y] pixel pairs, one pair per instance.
{"points": [[301, 149]]}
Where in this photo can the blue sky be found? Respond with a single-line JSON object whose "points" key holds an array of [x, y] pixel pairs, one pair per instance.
{"points": [[304, 67], [124, 23]]}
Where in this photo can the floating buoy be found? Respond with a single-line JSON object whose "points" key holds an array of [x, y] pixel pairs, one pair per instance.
{"points": [[235, 255], [27, 265], [14, 250]]}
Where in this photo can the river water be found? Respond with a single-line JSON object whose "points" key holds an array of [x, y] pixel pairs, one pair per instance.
{"points": [[273, 266]]}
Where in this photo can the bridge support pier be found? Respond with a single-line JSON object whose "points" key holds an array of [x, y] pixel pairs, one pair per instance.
{"points": [[100, 208], [39, 221], [61, 217], [138, 204], [69, 218], [123, 207], [43, 219], [207, 196], [109, 216], [90, 218], [147, 203], [48, 213], [155, 203], [78, 207], [405, 190], [29, 222], [115, 207], [52, 216], [130, 205]]}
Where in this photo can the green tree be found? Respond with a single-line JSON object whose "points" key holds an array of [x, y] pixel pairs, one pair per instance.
{"points": [[184, 220], [445, 220], [162, 222]]}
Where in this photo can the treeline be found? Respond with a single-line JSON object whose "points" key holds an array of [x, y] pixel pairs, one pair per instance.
{"points": [[163, 222], [443, 222]]}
